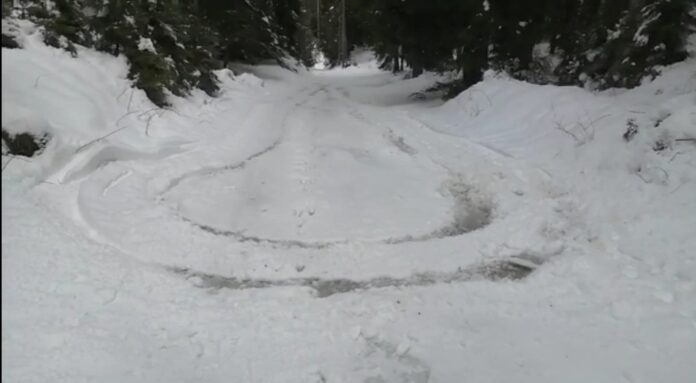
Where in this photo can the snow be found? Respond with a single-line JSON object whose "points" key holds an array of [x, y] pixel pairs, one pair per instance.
{"points": [[326, 227], [319, 60], [145, 44]]}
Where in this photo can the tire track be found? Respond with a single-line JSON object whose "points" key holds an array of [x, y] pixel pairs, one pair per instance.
{"points": [[470, 213], [513, 268], [213, 170]]}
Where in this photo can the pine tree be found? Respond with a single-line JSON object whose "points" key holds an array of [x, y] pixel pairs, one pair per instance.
{"points": [[172, 45]]}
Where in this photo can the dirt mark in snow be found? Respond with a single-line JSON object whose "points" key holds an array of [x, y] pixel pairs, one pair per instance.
{"points": [[400, 144], [514, 268]]}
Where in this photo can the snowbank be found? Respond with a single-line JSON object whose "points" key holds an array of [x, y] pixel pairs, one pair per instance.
{"points": [[635, 193], [89, 107]]}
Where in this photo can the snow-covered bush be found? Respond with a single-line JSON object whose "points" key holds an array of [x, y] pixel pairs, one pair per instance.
{"points": [[22, 144]]}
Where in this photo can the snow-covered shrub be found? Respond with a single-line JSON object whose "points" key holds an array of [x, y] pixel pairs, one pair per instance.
{"points": [[9, 42], [151, 74], [22, 144]]}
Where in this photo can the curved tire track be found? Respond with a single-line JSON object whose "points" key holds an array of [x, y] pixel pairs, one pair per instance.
{"points": [[512, 268], [468, 216]]}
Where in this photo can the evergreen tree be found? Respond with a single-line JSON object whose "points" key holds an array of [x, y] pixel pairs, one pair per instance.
{"points": [[571, 42], [174, 45]]}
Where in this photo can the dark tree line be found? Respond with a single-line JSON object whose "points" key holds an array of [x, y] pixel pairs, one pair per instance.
{"points": [[173, 45], [570, 42], [606, 43]]}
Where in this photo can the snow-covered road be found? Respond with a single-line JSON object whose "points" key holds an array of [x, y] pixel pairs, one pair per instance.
{"points": [[318, 228], [312, 181]]}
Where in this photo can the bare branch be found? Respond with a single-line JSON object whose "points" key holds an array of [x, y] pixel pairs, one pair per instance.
{"points": [[124, 116], [147, 111], [100, 138], [122, 93]]}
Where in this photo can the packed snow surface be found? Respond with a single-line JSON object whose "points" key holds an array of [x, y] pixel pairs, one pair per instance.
{"points": [[325, 226]]}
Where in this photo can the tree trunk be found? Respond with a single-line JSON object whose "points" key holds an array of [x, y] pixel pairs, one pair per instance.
{"points": [[417, 70], [342, 39], [318, 20]]}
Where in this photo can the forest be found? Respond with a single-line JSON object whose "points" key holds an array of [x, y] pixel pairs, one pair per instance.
{"points": [[595, 43]]}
